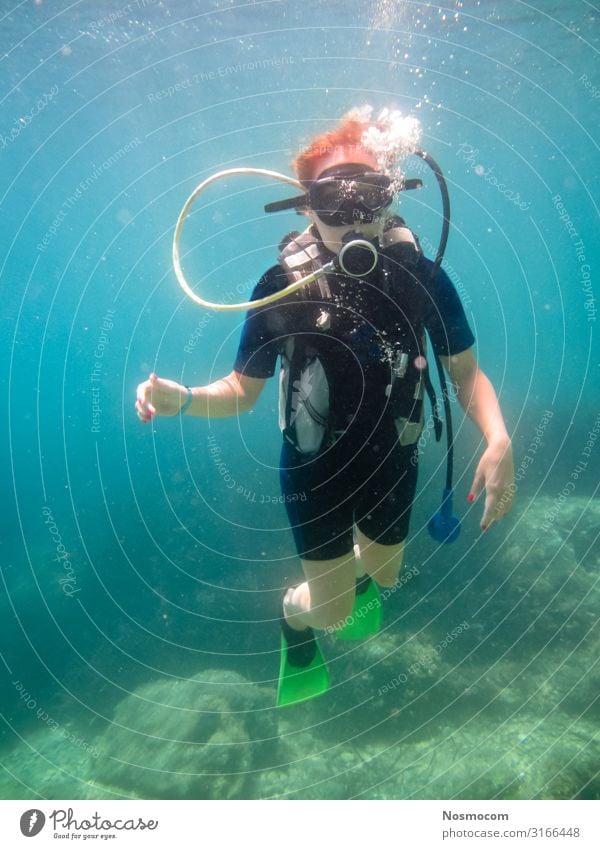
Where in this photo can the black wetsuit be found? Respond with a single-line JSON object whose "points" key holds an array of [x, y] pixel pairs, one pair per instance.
{"points": [[366, 476]]}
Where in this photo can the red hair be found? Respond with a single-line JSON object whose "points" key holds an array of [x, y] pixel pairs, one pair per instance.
{"points": [[346, 136]]}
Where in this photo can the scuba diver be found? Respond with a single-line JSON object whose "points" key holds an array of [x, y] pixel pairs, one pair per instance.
{"points": [[354, 373]]}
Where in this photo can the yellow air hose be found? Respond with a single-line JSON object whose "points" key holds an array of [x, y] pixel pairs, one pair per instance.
{"points": [[268, 299]]}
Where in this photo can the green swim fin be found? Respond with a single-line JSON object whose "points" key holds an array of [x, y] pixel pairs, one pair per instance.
{"points": [[303, 673], [365, 619]]}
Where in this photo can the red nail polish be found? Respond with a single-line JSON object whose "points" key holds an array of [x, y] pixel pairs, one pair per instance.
{"points": [[471, 497]]}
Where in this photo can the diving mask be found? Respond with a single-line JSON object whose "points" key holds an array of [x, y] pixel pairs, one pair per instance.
{"points": [[346, 194]]}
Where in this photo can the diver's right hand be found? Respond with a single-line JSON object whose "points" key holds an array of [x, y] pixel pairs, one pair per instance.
{"points": [[159, 396]]}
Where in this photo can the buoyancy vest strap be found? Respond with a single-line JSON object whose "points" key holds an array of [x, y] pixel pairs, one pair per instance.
{"points": [[294, 371], [305, 252], [296, 366]]}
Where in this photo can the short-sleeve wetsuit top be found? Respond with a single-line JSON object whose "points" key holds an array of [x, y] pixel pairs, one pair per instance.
{"points": [[366, 477]]}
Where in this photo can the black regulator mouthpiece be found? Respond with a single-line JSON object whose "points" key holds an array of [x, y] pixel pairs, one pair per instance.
{"points": [[358, 256]]}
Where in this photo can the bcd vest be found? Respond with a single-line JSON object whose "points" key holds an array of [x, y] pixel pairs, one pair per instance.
{"points": [[316, 406]]}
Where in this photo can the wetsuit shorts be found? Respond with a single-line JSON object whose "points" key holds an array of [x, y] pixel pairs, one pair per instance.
{"points": [[370, 483]]}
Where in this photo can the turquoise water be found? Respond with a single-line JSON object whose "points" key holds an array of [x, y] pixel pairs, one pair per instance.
{"points": [[140, 586]]}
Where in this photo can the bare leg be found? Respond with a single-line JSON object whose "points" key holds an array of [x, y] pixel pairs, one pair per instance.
{"points": [[380, 562], [326, 598]]}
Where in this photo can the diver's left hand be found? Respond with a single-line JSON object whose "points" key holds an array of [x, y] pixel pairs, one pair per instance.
{"points": [[495, 473]]}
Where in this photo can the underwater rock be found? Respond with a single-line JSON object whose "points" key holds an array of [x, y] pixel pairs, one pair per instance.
{"points": [[191, 739]]}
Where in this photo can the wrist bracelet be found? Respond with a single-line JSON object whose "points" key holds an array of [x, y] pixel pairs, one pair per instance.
{"points": [[186, 404]]}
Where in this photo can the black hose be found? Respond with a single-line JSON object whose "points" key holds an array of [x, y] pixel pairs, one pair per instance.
{"points": [[445, 209], [434, 270]]}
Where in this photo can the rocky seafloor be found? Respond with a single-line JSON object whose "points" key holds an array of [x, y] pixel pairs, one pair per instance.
{"points": [[483, 684]]}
